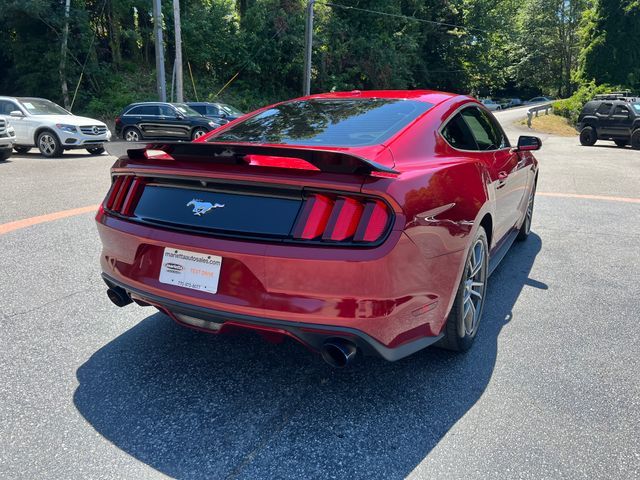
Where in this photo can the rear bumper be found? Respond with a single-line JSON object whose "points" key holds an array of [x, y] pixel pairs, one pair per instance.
{"points": [[311, 335], [390, 299]]}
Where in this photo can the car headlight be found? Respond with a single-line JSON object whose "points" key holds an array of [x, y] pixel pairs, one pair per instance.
{"points": [[67, 128]]}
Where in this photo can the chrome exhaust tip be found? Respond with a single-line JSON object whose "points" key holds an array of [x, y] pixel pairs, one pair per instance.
{"points": [[338, 352]]}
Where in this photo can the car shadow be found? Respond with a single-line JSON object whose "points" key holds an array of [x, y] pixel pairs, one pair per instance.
{"points": [[193, 405]]}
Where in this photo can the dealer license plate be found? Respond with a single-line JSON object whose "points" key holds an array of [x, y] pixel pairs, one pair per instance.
{"points": [[197, 271]]}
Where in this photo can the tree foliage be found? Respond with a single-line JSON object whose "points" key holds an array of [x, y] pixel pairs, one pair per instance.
{"points": [[252, 50]]}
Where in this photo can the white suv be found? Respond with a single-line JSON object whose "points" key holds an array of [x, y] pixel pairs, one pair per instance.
{"points": [[7, 138], [43, 124]]}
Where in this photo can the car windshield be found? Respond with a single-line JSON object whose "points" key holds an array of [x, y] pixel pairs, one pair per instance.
{"points": [[229, 110], [186, 110], [38, 106], [636, 107], [326, 122]]}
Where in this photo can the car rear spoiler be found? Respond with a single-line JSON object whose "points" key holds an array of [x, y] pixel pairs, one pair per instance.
{"points": [[326, 160]]}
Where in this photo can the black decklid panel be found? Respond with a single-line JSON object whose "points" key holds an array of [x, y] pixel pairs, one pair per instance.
{"points": [[252, 215]]}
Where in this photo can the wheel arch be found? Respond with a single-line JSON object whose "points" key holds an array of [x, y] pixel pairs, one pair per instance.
{"points": [[44, 128]]}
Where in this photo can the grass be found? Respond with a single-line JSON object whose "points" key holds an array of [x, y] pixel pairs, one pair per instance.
{"points": [[553, 124]]}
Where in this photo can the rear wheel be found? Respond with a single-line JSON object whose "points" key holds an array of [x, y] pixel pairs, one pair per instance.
{"points": [[464, 318], [525, 229], [22, 150], [635, 139], [588, 136], [49, 145], [621, 143], [131, 134]]}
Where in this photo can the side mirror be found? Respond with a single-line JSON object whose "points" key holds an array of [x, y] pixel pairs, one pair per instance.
{"points": [[16, 113], [527, 143]]}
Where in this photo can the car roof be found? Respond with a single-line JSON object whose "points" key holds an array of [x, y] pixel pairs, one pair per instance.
{"points": [[427, 96]]}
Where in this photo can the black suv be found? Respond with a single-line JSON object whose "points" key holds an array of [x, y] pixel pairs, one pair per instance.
{"points": [[219, 112], [611, 117], [161, 121]]}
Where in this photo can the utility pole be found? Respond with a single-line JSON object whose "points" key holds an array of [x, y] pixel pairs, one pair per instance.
{"points": [[308, 49], [62, 70], [157, 25], [178, 29]]}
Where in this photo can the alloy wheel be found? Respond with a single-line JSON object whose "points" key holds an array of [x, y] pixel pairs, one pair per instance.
{"points": [[47, 144], [132, 136], [474, 288], [198, 133]]}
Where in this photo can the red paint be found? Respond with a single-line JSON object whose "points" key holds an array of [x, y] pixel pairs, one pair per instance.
{"points": [[396, 292]]}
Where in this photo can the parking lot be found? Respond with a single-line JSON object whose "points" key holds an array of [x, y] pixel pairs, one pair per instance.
{"points": [[551, 388]]}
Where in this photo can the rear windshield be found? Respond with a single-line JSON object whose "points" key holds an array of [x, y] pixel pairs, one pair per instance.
{"points": [[327, 122]]}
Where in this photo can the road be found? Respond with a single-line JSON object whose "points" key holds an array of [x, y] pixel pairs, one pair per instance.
{"points": [[550, 390]]}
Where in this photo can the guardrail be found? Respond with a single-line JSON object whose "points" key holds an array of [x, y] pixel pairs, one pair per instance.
{"points": [[546, 107]]}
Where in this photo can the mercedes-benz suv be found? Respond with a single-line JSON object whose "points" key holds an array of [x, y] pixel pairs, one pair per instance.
{"points": [[7, 138], [162, 121], [52, 129]]}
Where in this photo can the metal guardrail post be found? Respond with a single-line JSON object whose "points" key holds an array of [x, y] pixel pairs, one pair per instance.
{"points": [[537, 109]]}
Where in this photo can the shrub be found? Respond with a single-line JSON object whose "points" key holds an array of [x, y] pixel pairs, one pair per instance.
{"points": [[570, 107]]}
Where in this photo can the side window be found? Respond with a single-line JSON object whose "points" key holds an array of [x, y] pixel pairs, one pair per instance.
{"points": [[621, 110], [481, 129], [7, 107], [604, 108], [500, 139], [167, 111], [201, 109], [134, 111], [458, 135], [149, 110]]}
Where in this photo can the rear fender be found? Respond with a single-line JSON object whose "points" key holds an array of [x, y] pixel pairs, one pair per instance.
{"points": [[443, 206]]}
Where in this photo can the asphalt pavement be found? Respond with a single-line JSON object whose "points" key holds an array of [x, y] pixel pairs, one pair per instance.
{"points": [[550, 390]]}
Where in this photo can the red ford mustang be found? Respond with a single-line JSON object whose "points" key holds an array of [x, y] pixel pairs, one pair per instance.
{"points": [[353, 222]]}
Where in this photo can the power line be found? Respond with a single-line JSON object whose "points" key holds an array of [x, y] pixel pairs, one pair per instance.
{"points": [[404, 17]]}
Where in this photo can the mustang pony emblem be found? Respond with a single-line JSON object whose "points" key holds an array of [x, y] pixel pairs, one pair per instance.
{"points": [[200, 207]]}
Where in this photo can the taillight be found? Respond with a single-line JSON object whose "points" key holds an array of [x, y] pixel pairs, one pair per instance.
{"points": [[124, 195], [342, 219]]}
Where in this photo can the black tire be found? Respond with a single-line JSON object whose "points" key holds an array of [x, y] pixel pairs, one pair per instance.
{"points": [[621, 143], [588, 136], [525, 228], [5, 154], [49, 144], [198, 132], [22, 150], [131, 134], [635, 139], [96, 150], [458, 334]]}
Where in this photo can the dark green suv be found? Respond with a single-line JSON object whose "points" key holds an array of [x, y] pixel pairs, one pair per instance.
{"points": [[611, 117]]}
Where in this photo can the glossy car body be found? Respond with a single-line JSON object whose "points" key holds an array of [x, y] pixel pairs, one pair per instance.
{"points": [[390, 296], [161, 121], [220, 113]]}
